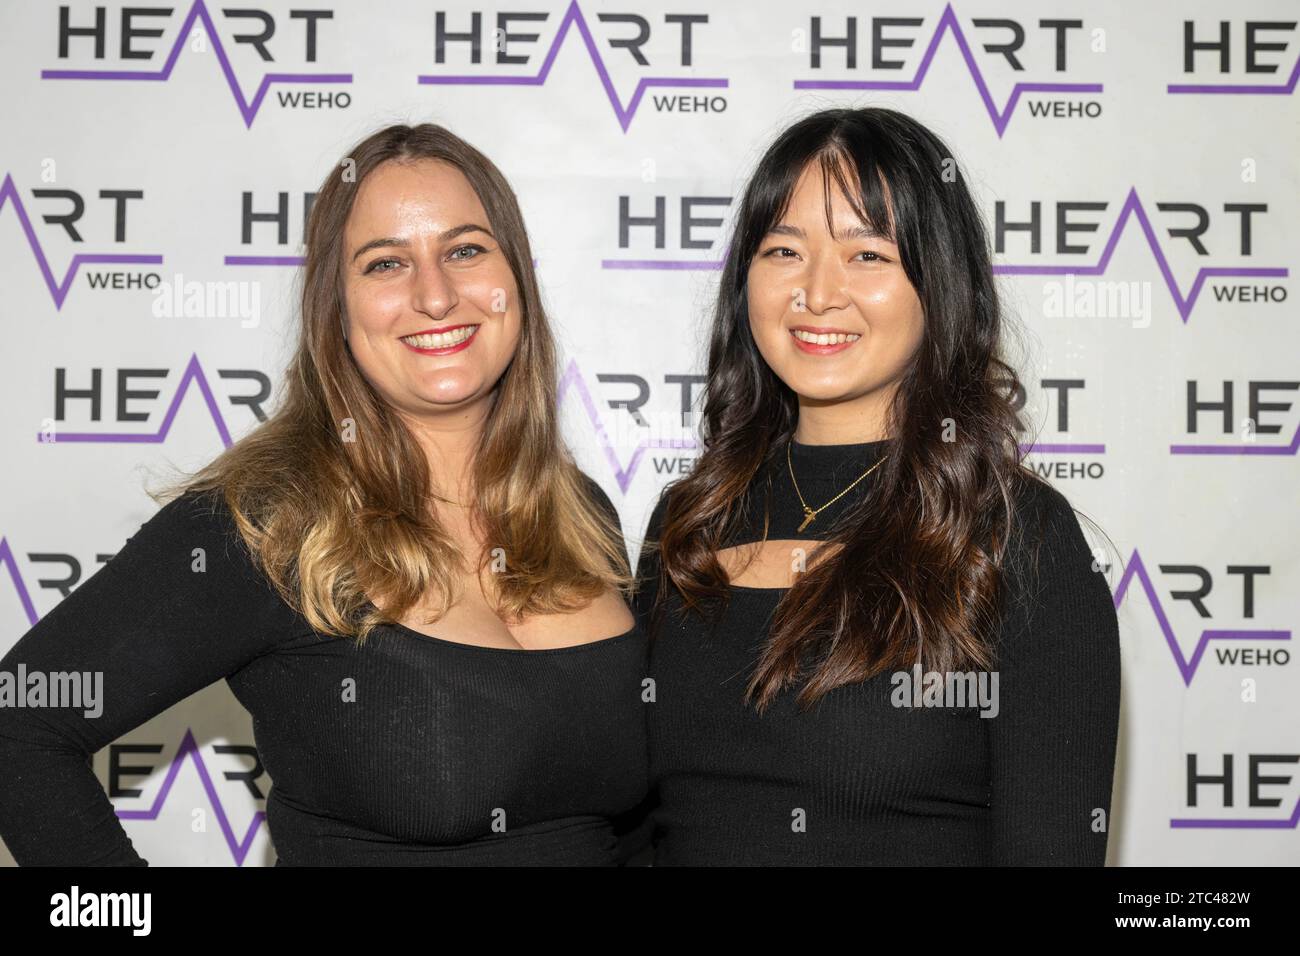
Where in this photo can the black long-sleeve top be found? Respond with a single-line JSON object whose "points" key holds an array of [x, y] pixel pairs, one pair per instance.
{"points": [[448, 754], [869, 782]]}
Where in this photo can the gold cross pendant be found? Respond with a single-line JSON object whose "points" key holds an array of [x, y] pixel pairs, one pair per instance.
{"points": [[808, 520]]}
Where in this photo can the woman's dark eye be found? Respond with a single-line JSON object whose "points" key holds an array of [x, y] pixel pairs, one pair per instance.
{"points": [[778, 250], [374, 266], [875, 256], [467, 248]]}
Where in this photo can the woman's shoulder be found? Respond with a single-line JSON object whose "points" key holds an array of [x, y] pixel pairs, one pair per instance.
{"points": [[1048, 544], [187, 566], [187, 513], [659, 510], [194, 527], [1044, 513]]}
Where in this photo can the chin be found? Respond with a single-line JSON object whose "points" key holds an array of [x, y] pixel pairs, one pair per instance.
{"points": [[447, 393], [827, 396], [839, 388]]}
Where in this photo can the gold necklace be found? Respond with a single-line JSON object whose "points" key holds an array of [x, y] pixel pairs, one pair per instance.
{"points": [[811, 513]]}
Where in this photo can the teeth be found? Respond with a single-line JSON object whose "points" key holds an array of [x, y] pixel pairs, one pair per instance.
{"points": [[441, 340], [833, 338]]}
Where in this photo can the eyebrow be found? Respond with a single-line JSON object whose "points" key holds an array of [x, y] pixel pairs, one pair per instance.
{"points": [[855, 232], [447, 236]]}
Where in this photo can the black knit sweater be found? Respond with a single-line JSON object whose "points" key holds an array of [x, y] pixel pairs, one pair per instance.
{"points": [[858, 779], [407, 750]]}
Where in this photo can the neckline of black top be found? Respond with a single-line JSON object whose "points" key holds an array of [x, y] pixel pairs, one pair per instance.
{"points": [[568, 648], [833, 464], [822, 471]]}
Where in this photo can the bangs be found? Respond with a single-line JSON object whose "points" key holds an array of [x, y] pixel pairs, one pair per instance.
{"points": [[863, 187]]}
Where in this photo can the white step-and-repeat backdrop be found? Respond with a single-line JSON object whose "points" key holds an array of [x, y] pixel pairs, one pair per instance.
{"points": [[1137, 163]]}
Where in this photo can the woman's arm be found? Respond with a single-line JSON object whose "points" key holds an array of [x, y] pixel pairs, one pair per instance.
{"points": [[179, 607], [1052, 743]]}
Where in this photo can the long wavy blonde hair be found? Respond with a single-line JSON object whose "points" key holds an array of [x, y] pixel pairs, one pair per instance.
{"points": [[343, 528]]}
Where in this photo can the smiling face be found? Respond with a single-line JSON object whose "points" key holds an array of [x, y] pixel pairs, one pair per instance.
{"points": [[433, 318], [833, 314]]}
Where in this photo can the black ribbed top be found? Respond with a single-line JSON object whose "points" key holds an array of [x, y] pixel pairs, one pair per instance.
{"points": [[858, 780], [405, 750]]}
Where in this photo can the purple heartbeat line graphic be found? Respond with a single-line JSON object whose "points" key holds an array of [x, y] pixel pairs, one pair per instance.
{"points": [[10, 561], [247, 109], [238, 847], [1186, 666], [264, 260], [1258, 89], [1062, 448], [661, 264], [193, 373], [59, 290], [573, 16], [277, 261], [1290, 449], [1230, 823], [1133, 207], [1185, 823], [948, 21], [670, 264], [573, 377]]}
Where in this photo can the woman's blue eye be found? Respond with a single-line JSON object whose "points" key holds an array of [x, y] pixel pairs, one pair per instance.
{"points": [[471, 248]]}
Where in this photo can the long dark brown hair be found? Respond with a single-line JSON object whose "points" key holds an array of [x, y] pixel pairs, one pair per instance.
{"points": [[918, 575], [332, 494]]}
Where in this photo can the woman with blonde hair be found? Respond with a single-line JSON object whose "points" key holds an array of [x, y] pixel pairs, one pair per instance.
{"points": [[402, 574]]}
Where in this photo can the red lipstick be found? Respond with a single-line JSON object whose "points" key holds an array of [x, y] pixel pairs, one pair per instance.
{"points": [[446, 349], [828, 349]]}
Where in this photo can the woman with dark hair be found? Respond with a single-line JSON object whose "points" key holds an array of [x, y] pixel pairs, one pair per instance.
{"points": [[402, 574], [876, 636]]}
